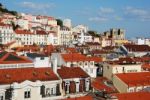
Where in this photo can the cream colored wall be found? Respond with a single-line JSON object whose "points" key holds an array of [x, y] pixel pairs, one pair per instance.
{"points": [[114, 69], [35, 93], [107, 71], [52, 22], [127, 68], [120, 85]]}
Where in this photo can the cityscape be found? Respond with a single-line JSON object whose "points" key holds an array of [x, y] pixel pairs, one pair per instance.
{"points": [[48, 53]]}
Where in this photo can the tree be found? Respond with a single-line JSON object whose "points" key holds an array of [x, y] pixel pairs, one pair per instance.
{"points": [[59, 22], [1, 5], [93, 33], [14, 26]]}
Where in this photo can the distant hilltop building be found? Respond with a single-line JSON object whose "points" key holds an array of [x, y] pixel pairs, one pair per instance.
{"points": [[114, 37], [67, 23], [115, 33], [142, 41]]}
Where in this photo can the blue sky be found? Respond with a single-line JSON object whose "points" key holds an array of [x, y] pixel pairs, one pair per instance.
{"points": [[100, 15]]}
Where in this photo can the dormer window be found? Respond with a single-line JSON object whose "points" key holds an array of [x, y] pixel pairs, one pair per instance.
{"points": [[91, 63], [80, 63], [1, 96], [27, 93], [86, 63], [42, 58]]}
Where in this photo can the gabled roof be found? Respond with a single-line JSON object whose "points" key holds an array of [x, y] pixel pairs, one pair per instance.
{"points": [[11, 58], [135, 79], [72, 72], [8, 76]]}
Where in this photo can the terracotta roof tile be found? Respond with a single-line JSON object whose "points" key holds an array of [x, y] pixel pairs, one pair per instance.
{"points": [[99, 84], [8, 76], [23, 32], [72, 72], [72, 57], [135, 79], [137, 48], [11, 58]]}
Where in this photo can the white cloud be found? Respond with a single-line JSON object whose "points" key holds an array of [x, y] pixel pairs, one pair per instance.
{"points": [[36, 8], [137, 13], [33, 5], [98, 19], [105, 14], [106, 10]]}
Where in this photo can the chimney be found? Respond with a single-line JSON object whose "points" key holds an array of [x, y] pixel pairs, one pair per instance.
{"points": [[54, 65]]}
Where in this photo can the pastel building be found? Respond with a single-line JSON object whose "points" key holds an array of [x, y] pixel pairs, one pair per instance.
{"points": [[123, 65], [29, 84], [131, 82], [6, 33], [77, 60]]}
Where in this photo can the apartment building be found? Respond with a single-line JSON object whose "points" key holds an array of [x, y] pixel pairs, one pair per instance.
{"points": [[123, 65], [131, 82], [6, 33]]}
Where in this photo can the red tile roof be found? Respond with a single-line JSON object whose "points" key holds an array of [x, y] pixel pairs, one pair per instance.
{"points": [[71, 50], [27, 48], [6, 25], [95, 59], [135, 79], [41, 32], [93, 43], [99, 84], [23, 32], [146, 66], [99, 52], [75, 57], [8, 76], [133, 96], [11, 58], [72, 72], [137, 48], [81, 98], [125, 60]]}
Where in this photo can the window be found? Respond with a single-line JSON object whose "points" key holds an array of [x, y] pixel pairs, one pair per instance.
{"points": [[52, 91], [107, 67], [131, 90], [86, 63], [1, 96], [27, 93], [80, 63], [91, 63], [42, 58], [48, 92]]}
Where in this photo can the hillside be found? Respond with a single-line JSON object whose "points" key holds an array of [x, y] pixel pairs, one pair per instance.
{"points": [[5, 10]]}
